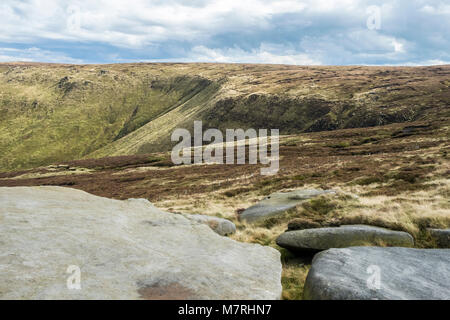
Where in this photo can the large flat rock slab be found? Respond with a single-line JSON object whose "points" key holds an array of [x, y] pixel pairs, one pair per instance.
{"points": [[124, 250], [344, 236], [279, 202], [366, 273]]}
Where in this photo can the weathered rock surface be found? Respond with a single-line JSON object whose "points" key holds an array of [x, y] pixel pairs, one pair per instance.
{"points": [[279, 202], [379, 273], [124, 249], [341, 237], [220, 226], [442, 237]]}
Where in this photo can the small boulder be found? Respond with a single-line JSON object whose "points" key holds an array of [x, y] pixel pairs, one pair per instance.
{"points": [[218, 225], [341, 237], [279, 202], [442, 237], [371, 273]]}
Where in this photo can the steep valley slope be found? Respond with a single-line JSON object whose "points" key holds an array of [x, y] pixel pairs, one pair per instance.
{"points": [[53, 113]]}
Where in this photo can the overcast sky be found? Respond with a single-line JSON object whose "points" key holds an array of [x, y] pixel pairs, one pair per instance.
{"points": [[307, 32]]}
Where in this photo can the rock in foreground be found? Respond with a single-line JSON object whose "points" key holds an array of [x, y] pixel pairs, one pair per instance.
{"points": [[441, 236], [220, 226], [341, 237], [278, 203], [379, 273], [124, 249]]}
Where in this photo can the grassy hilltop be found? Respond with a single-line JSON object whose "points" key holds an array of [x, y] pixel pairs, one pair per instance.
{"points": [[54, 113]]}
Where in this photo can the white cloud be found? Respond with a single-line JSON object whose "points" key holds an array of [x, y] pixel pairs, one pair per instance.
{"points": [[356, 47], [441, 9], [266, 53], [298, 31], [35, 55], [137, 23], [432, 62]]}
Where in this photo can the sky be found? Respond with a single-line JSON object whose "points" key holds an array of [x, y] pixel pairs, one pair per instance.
{"points": [[306, 32]]}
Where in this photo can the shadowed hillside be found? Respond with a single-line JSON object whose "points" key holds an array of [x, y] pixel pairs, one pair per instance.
{"points": [[54, 113]]}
